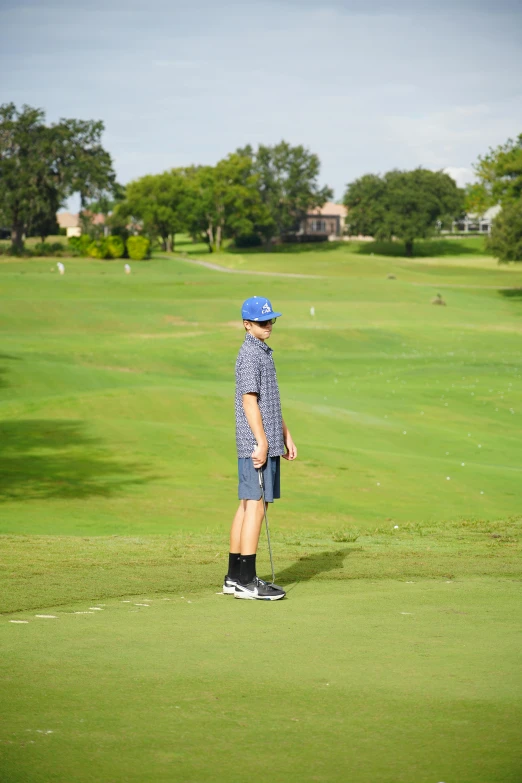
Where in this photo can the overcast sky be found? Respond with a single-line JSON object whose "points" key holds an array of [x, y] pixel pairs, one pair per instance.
{"points": [[369, 86]]}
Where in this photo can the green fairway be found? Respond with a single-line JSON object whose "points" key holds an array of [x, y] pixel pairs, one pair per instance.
{"points": [[395, 656], [116, 397]]}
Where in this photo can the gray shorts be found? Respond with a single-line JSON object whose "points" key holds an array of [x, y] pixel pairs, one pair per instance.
{"points": [[249, 488]]}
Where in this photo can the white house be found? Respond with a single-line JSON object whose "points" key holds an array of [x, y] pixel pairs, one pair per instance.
{"points": [[480, 224]]}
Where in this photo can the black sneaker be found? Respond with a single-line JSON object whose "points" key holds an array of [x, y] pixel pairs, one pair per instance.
{"points": [[259, 590], [229, 585]]}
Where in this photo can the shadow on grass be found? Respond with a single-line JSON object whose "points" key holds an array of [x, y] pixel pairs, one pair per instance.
{"points": [[309, 566], [42, 459], [511, 293], [425, 249]]}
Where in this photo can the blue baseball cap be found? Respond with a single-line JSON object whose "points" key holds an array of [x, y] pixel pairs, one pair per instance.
{"points": [[257, 308]]}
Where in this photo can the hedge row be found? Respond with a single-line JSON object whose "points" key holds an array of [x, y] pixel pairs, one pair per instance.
{"points": [[136, 248], [39, 249]]}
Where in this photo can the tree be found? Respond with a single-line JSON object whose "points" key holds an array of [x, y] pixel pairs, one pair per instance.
{"points": [[505, 241], [499, 175], [43, 221], [401, 204], [288, 187], [222, 201], [196, 204], [236, 204], [154, 202], [104, 205], [106, 201], [41, 166]]}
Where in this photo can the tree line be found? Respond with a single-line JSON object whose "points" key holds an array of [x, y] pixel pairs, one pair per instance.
{"points": [[410, 204], [251, 196]]}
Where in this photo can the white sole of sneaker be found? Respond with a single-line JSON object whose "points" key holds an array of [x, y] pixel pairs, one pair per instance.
{"points": [[249, 597], [229, 590]]}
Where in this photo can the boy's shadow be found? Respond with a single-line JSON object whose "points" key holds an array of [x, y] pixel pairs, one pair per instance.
{"points": [[309, 566]]}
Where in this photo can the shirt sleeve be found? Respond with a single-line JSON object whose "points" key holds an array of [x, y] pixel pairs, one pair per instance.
{"points": [[248, 376]]}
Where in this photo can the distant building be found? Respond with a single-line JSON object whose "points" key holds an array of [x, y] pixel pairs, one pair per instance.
{"points": [[478, 224], [326, 222], [70, 222], [72, 225]]}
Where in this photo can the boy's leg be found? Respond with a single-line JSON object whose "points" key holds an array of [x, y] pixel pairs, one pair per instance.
{"points": [[246, 527], [251, 527], [235, 530], [249, 540]]}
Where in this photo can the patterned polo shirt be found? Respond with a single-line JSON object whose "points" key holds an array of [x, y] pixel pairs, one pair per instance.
{"points": [[255, 372]]}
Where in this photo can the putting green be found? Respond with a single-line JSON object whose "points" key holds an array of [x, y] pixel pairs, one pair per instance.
{"points": [[370, 682]]}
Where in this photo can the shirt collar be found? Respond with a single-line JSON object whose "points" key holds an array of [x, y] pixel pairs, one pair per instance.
{"points": [[258, 343]]}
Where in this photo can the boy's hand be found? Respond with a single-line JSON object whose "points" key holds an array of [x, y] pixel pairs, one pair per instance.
{"points": [[291, 450], [259, 455]]}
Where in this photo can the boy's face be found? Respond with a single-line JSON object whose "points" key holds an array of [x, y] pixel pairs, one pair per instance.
{"points": [[260, 329]]}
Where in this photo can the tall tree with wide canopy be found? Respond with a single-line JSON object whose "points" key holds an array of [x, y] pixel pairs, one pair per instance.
{"points": [[402, 204], [42, 165], [287, 180]]}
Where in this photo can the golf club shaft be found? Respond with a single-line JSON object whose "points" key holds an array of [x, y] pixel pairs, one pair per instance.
{"points": [[262, 485]]}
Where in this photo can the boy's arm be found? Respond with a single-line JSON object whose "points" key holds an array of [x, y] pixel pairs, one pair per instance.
{"points": [[255, 421], [291, 449]]}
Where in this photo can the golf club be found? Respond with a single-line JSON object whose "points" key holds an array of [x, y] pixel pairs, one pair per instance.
{"points": [[262, 485]]}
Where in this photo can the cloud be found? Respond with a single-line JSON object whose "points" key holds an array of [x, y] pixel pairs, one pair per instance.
{"points": [[369, 86], [437, 139], [463, 176]]}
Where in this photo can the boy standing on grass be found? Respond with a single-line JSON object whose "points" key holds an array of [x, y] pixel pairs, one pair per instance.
{"points": [[262, 438]]}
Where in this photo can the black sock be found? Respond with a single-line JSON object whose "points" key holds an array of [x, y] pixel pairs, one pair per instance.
{"points": [[234, 560], [248, 569]]}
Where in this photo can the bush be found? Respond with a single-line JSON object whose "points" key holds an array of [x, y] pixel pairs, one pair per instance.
{"points": [[80, 245], [505, 242], [99, 248], [48, 248], [9, 250], [138, 248], [115, 246]]}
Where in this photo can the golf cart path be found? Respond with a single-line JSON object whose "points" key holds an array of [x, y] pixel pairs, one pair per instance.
{"points": [[217, 268]]}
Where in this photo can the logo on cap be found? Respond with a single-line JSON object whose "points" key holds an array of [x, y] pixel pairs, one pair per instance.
{"points": [[266, 308]]}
